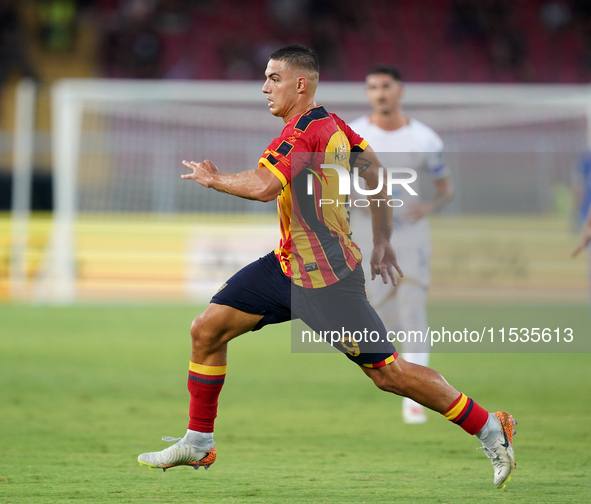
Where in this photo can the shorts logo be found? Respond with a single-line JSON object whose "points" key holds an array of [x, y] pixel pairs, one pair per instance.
{"points": [[311, 267], [222, 287]]}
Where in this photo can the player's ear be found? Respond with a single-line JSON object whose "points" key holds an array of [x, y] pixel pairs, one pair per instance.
{"points": [[302, 84]]}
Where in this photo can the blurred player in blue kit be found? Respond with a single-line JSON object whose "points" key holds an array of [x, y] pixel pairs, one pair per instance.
{"points": [[582, 187]]}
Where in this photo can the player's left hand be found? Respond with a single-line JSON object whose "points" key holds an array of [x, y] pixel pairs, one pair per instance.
{"points": [[417, 211], [383, 262], [202, 172]]}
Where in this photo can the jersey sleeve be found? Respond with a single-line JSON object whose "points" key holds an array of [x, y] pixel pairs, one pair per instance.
{"points": [[358, 144], [278, 156], [434, 161]]}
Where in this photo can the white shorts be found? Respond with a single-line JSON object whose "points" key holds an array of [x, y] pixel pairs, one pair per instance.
{"points": [[414, 263], [413, 251]]}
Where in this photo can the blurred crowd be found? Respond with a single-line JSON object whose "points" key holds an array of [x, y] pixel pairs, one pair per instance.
{"points": [[13, 55], [430, 40], [223, 39], [438, 40]]}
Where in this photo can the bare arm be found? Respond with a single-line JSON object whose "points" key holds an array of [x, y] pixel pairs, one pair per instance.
{"points": [[585, 235], [258, 184], [444, 193], [383, 257]]}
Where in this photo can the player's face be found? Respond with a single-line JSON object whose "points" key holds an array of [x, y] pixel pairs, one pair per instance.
{"points": [[383, 92], [280, 88]]}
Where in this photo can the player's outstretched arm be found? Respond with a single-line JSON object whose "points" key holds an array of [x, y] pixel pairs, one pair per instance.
{"points": [[585, 236], [383, 257], [258, 184]]}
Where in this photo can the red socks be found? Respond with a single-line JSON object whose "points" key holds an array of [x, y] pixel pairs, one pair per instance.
{"points": [[467, 414], [204, 384]]}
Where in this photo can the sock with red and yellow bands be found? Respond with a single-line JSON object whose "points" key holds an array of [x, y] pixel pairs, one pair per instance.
{"points": [[205, 384], [467, 414]]}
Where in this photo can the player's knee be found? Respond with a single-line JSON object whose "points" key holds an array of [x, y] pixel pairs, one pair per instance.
{"points": [[390, 379], [380, 381], [388, 385], [203, 332]]}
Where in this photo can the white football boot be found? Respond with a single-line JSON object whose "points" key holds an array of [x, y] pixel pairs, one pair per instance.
{"points": [[180, 453], [500, 449]]}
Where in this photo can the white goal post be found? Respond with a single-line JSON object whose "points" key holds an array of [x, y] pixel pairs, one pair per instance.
{"points": [[22, 178], [114, 143]]}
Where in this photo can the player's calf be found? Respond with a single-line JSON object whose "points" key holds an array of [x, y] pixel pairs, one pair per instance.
{"points": [[421, 384]]}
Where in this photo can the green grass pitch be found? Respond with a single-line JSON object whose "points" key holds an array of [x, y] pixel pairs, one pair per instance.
{"points": [[84, 390]]}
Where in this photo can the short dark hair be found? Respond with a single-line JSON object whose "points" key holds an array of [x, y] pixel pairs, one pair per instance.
{"points": [[298, 56], [387, 70]]}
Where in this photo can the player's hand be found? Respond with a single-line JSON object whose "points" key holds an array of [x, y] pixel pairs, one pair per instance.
{"points": [[417, 211], [383, 262], [585, 240], [202, 172]]}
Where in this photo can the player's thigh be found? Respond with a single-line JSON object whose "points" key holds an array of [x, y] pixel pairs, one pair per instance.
{"points": [[342, 309], [222, 323], [259, 292]]}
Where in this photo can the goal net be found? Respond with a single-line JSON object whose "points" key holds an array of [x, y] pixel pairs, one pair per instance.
{"points": [[126, 227]]}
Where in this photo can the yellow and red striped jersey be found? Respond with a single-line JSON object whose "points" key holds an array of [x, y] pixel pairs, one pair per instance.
{"points": [[315, 249]]}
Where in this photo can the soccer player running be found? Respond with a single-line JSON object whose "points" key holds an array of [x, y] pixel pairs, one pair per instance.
{"points": [[387, 129], [315, 274]]}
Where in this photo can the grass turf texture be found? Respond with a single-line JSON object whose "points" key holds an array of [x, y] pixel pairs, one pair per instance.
{"points": [[84, 390]]}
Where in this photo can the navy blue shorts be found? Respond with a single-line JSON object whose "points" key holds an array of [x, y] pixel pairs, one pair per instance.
{"points": [[263, 288]]}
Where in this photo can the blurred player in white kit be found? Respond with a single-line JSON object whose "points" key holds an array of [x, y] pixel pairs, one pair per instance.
{"points": [[388, 130]]}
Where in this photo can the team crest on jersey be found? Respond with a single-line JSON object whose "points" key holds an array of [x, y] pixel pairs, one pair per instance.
{"points": [[340, 153]]}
